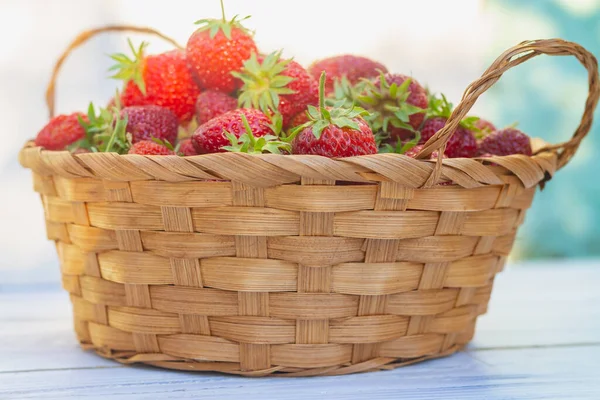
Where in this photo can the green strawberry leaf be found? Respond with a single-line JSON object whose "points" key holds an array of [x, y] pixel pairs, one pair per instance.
{"points": [[393, 90], [313, 112], [214, 25], [344, 122], [411, 109], [403, 88], [401, 115], [388, 148], [162, 142], [130, 69], [277, 123], [385, 125], [248, 143], [368, 100], [263, 82], [318, 127], [411, 143], [380, 137]]}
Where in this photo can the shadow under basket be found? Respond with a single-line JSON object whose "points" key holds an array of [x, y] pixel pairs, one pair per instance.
{"points": [[295, 265]]}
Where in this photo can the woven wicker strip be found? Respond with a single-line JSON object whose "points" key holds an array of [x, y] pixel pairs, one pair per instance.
{"points": [[296, 265]]}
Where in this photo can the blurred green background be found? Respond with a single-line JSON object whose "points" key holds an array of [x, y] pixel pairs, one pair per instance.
{"points": [[546, 96]]}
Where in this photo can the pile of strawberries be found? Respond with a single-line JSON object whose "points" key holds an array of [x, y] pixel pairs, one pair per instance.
{"points": [[222, 94]]}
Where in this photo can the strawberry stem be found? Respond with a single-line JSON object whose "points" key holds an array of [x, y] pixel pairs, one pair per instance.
{"points": [[322, 93], [117, 98], [223, 11], [247, 127], [119, 132]]}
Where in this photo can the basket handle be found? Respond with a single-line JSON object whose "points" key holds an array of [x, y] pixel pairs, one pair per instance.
{"points": [[510, 58], [84, 37]]}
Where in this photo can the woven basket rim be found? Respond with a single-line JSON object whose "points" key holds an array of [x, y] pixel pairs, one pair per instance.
{"points": [[266, 170], [539, 146]]}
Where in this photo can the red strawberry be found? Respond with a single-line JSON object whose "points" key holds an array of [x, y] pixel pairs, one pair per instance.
{"points": [[61, 131], [396, 103], [412, 152], [505, 142], [218, 48], [186, 147], [148, 148], [462, 143], [163, 80], [300, 118], [210, 137], [336, 141], [348, 65], [334, 132], [272, 84], [485, 126], [430, 127], [211, 104], [147, 122]]}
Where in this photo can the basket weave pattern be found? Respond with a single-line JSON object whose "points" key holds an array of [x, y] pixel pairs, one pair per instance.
{"points": [[283, 278], [255, 264]]}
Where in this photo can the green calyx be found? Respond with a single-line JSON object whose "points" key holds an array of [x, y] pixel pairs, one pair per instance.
{"points": [[248, 143], [276, 124], [400, 147], [263, 83], [439, 106], [388, 104], [116, 138], [165, 143], [105, 131], [346, 91], [216, 25], [339, 115], [131, 69]]}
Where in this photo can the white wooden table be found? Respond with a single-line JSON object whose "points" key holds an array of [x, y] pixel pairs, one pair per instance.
{"points": [[540, 340]]}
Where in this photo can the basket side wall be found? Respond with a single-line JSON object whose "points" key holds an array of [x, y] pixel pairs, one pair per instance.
{"points": [[315, 278]]}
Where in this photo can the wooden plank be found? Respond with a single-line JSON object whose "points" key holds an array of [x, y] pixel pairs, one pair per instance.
{"points": [[542, 304], [554, 307], [554, 373], [36, 333]]}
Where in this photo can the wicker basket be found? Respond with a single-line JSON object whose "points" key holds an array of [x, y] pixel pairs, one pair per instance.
{"points": [[301, 265]]}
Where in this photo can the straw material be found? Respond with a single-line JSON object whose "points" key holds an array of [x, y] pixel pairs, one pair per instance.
{"points": [[296, 265]]}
